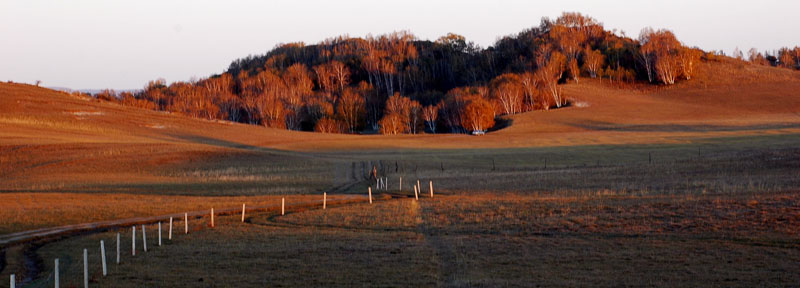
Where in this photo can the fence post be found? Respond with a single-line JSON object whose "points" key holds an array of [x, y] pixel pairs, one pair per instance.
{"points": [[103, 257], [243, 207], [13, 282], [283, 204], [133, 240], [117, 248], [170, 229], [401, 183], [212, 217], [144, 239], [419, 188], [324, 200], [85, 269], [431, 185], [55, 274], [159, 233], [370, 194], [416, 193], [186, 223]]}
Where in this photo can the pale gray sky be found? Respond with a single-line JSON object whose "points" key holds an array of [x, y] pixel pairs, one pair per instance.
{"points": [[123, 44]]}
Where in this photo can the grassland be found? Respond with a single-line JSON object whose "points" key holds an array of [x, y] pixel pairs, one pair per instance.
{"points": [[481, 239], [692, 185]]}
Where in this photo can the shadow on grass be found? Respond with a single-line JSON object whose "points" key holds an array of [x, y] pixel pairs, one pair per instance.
{"points": [[608, 126]]}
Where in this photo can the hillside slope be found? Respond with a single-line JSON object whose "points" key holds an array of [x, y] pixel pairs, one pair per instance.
{"points": [[50, 139]]}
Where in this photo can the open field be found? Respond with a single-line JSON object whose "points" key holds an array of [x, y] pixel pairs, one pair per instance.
{"points": [[480, 239], [692, 185]]}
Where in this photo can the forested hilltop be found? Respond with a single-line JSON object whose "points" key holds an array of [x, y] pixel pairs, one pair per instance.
{"points": [[397, 83]]}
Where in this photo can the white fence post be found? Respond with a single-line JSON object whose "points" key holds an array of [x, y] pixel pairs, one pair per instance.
{"points": [[401, 183], [159, 233], [13, 281], [85, 269], [419, 188], [103, 257], [243, 208], [212, 217], [133, 240], [117, 248], [370, 195], [170, 229], [186, 223], [416, 193], [55, 274], [144, 239], [431, 185], [283, 204], [324, 200]]}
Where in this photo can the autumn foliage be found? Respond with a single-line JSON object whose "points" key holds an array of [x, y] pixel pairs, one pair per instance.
{"points": [[396, 83]]}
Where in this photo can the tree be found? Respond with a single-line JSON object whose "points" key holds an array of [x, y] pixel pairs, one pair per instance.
{"points": [[549, 74], [431, 113], [687, 57], [341, 74], [393, 123], [298, 86], [593, 61], [329, 125], [408, 111], [332, 77], [786, 58], [665, 48], [351, 109], [507, 91], [738, 54], [756, 57], [478, 115], [646, 55], [530, 93]]}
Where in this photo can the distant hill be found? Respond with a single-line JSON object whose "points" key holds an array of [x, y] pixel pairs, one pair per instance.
{"points": [[398, 84]]}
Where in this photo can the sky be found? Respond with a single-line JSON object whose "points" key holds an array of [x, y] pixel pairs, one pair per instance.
{"points": [[95, 44]]}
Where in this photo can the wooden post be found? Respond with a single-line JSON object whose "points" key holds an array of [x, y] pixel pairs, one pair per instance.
{"points": [[283, 206], [324, 200], [144, 239], [419, 188], [212, 217], [370, 195], [243, 207], [159, 233], [169, 236], [13, 282], [401, 183], [431, 185], [85, 269], [133, 240], [117, 248], [56, 276], [103, 257], [416, 193], [186, 223]]}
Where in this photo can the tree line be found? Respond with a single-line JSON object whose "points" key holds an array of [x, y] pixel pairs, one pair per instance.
{"points": [[396, 83]]}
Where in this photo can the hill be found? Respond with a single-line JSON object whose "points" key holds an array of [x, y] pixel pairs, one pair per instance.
{"points": [[50, 139], [398, 84]]}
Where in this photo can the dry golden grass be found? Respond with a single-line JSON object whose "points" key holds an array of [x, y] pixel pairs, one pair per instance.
{"points": [[480, 239], [247, 255], [722, 217], [26, 211]]}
